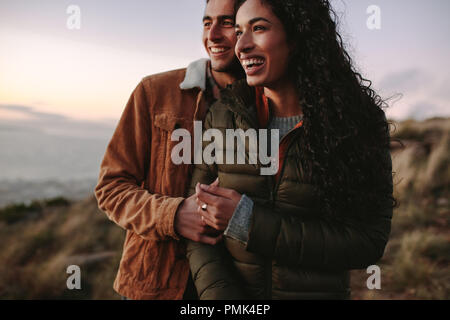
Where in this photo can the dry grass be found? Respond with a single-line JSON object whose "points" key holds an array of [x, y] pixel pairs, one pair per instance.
{"points": [[36, 252], [416, 261]]}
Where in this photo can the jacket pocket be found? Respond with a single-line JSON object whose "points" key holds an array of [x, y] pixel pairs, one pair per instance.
{"points": [[169, 123], [170, 170]]}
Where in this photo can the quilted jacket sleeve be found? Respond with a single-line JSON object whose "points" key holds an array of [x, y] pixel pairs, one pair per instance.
{"points": [[324, 243], [211, 266]]}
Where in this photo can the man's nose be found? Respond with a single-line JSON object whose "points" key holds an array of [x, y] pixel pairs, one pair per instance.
{"points": [[215, 33]]}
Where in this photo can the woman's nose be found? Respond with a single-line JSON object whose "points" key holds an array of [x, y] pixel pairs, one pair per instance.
{"points": [[244, 44]]}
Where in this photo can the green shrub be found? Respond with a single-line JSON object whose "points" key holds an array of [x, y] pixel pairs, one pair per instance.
{"points": [[17, 212], [57, 202]]}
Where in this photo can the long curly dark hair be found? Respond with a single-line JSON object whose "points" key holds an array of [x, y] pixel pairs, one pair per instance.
{"points": [[345, 139]]}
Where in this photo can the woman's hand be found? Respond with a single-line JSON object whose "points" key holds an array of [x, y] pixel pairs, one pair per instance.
{"points": [[220, 204], [189, 224]]}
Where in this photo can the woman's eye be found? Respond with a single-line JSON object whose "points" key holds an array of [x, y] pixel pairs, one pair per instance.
{"points": [[238, 33], [259, 28]]}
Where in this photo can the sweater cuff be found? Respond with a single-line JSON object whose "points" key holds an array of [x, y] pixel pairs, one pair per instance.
{"points": [[239, 224]]}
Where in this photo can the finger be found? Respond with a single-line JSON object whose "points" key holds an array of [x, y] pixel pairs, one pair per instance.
{"points": [[208, 230], [212, 214], [208, 198], [218, 191], [208, 218], [215, 183], [199, 202], [212, 232], [210, 240], [197, 191], [197, 188], [217, 224], [211, 224], [202, 222], [204, 228]]}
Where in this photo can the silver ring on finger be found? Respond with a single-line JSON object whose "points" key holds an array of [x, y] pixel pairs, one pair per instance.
{"points": [[205, 207]]}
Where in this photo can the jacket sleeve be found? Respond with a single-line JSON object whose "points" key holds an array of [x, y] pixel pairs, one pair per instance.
{"points": [[213, 272], [211, 266], [325, 243], [120, 190]]}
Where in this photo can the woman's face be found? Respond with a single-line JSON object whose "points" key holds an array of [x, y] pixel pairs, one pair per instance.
{"points": [[262, 46]]}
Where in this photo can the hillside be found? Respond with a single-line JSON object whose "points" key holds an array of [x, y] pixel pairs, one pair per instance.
{"points": [[416, 260], [38, 241]]}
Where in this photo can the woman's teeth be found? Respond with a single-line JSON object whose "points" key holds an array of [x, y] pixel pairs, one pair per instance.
{"points": [[252, 62]]}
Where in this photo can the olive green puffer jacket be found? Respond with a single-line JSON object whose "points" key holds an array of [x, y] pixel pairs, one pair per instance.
{"points": [[293, 252]]}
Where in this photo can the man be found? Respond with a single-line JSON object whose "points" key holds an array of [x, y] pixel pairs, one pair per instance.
{"points": [[139, 186]]}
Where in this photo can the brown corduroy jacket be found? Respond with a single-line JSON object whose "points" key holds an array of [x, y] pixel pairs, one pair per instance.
{"points": [[140, 188]]}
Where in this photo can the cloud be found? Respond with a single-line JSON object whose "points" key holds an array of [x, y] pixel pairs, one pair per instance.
{"points": [[423, 94], [405, 81], [33, 114], [55, 124]]}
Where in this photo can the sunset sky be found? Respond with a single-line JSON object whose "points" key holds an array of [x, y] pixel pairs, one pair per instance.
{"points": [[88, 74]]}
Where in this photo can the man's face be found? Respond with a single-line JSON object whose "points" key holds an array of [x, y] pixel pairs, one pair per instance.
{"points": [[219, 37]]}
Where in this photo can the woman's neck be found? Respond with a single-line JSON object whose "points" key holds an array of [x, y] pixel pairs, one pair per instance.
{"points": [[284, 99]]}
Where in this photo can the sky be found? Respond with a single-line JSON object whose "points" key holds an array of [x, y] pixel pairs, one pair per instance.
{"points": [[50, 72]]}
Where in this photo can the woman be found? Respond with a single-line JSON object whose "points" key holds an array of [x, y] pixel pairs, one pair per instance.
{"points": [[328, 210]]}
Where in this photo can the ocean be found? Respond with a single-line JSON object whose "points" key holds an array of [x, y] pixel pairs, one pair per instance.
{"points": [[44, 164]]}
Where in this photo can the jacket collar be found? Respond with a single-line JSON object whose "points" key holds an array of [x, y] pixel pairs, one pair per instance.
{"points": [[249, 102], [239, 98], [195, 75]]}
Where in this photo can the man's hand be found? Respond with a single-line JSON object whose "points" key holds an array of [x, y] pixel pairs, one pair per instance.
{"points": [[189, 224], [221, 204]]}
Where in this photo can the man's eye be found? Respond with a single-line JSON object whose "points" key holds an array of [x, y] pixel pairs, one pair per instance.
{"points": [[206, 24], [228, 23]]}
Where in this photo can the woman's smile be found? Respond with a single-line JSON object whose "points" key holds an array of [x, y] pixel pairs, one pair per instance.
{"points": [[253, 64]]}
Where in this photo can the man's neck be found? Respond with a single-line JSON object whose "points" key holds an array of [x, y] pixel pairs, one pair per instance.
{"points": [[284, 99], [223, 78]]}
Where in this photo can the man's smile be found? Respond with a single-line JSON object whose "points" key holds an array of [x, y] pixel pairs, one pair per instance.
{"points": [[218, 51]]}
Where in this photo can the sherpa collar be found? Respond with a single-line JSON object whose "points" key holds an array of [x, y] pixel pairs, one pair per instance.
{"points": [[195, 75]]}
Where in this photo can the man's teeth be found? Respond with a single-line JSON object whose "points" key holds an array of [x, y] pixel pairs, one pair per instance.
{"points": [[218, 50], [250, 62]]}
